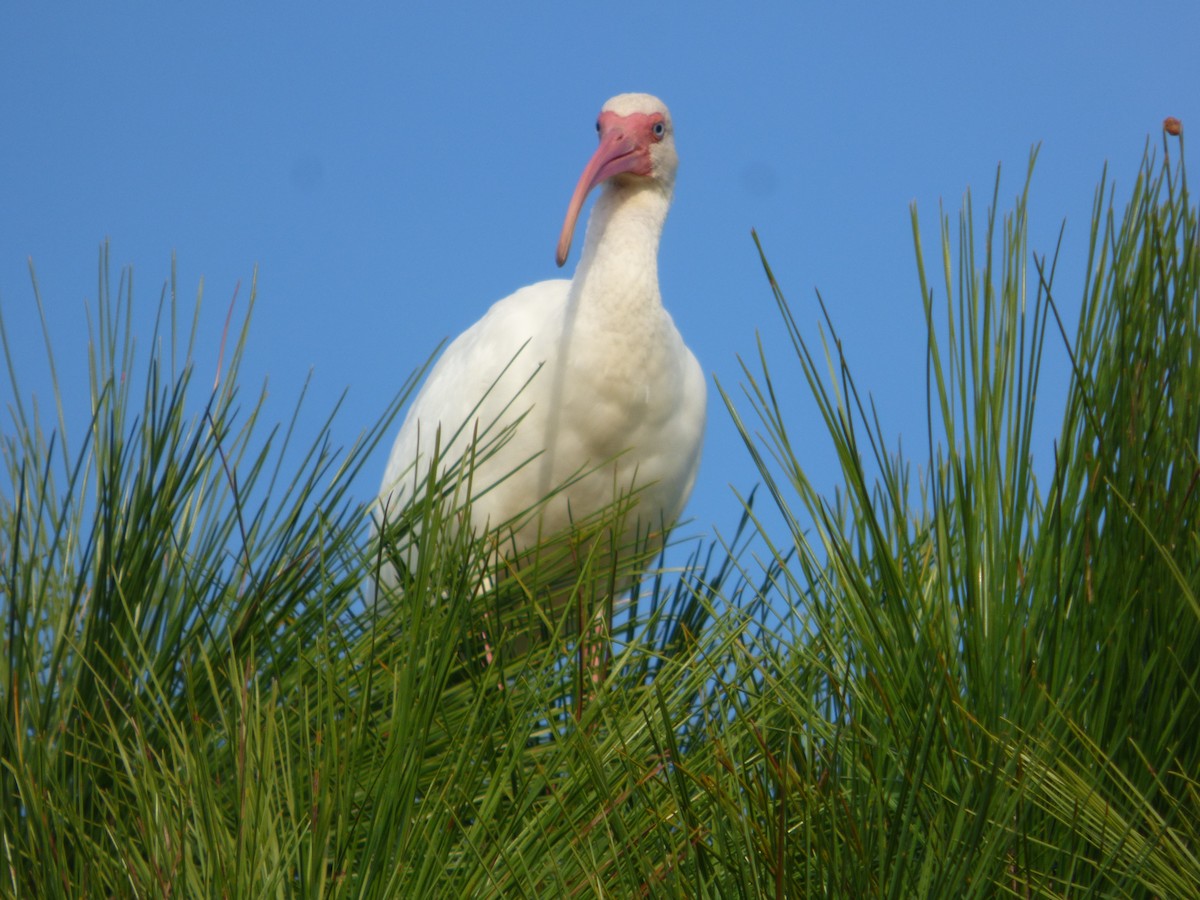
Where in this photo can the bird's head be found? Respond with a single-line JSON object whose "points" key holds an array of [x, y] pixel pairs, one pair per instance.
{"points": [[637, 142]]}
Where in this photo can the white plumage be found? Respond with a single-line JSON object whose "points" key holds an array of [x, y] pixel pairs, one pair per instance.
{"points": [[602, 378]]}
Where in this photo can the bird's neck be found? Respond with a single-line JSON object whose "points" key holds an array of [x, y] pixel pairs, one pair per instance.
{"points": [[616, 282]]}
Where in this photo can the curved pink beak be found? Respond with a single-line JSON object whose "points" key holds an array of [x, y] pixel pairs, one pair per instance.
{"points": [[617, 153]]}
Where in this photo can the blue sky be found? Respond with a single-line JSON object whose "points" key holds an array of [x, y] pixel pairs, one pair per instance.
{"points": [[393, 170]]}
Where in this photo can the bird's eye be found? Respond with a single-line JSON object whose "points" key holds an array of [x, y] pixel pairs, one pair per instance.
{"points": [[659, 129], [597, 126]]}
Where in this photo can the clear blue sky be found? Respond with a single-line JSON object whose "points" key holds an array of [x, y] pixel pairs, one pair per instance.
{"points": [[393, 171]]}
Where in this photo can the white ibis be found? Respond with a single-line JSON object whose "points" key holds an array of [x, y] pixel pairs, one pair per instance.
{"points": [[609, 399]]}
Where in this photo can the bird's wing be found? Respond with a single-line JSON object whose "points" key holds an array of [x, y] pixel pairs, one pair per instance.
{"points": [[479, 385]]}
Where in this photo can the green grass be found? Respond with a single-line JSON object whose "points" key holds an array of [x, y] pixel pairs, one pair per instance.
{"points": [[946, 678]]}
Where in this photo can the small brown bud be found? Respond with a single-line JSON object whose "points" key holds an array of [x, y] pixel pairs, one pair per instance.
{"points": [[1172, 126]]}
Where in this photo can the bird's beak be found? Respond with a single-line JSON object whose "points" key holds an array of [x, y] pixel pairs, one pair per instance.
{"points": [[617, 153]]}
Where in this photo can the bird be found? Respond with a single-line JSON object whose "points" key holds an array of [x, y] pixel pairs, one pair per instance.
{"points": [[569, 395]]}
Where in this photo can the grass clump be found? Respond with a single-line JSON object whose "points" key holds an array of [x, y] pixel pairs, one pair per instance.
{"points": [[948, 678]]}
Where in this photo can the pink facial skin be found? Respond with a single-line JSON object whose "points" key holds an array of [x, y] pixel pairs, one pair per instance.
{"points": [[625, 143]]}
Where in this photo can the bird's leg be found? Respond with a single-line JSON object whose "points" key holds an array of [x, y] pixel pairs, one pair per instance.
{"points": [[489, 656], [593, 658], [598, 664]]}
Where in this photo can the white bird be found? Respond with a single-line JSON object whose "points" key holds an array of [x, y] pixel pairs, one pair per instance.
{"points": [[608, 398]]}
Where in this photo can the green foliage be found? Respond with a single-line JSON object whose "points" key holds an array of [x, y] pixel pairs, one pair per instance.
{"points": [[945, 679]]}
